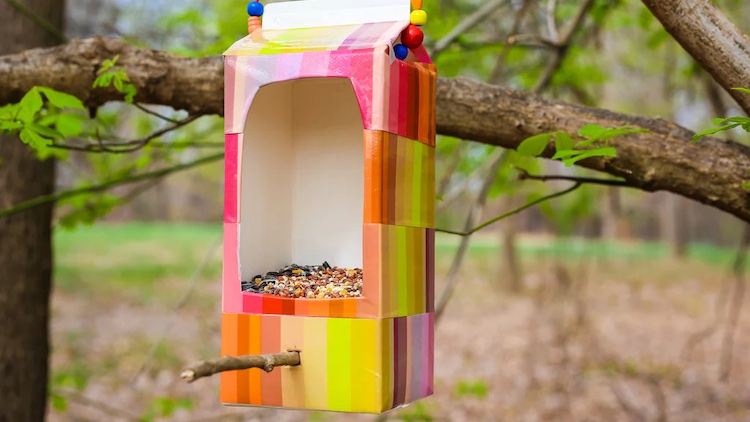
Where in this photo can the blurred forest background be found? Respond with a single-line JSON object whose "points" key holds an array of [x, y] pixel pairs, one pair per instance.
{"points": [[606, 304]]}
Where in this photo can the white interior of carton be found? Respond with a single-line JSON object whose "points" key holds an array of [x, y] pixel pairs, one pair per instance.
{"points": [[302, 197]]}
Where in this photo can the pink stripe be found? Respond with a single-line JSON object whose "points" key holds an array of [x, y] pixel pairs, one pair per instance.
{"points": [[230, 75], [355, 36], [422, 55], [252, 303], [340, 63], [231, 299], [231, 177], [362, 62], [427, 355], [315, 65], [430, 353], [288, 67], [417, 352]]}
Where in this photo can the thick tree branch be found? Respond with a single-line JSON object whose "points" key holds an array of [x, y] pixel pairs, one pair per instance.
{"points": [[711, 171], [230, 363], [711, 38]]}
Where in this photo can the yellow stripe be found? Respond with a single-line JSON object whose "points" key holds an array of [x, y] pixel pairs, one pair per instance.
{"points": [[365, 372], [339, 364], [429, 198], [410, 280], [385, 363], [292, 378], [314, 363]]}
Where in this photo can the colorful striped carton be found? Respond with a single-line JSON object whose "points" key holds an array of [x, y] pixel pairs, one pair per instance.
{"points": [[330, 145]]}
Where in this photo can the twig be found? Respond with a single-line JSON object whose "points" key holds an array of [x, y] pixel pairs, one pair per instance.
{"points": [[267, 363], [455, 160], [153, 113], [551, 22], [472, 20], [524, 175], [95, 404], [129, 146], [513, 212], [38, 20], [181, 304], [563, 46], [501, 58], [474, 214], [738, 298], [630, 409], [23, 206]]}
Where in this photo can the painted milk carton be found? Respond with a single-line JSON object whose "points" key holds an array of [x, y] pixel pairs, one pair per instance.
{"points": [[330, 157]]}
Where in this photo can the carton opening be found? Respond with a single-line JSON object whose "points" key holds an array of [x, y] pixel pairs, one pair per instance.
{"points": [[302, 177]]}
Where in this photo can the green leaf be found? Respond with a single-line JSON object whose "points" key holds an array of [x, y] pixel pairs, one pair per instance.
{"points": [[599, 152], [30, 105], [108, 64], [118, 83], [563, 142], [567, 153], [535, 145], [69, 125], [130, 91], [33, 139], [745, 90], [45, 131], [10, 126], [746, 185], [714, 130], [103, 81], [61, 99], [59, 403], [592, 131]]}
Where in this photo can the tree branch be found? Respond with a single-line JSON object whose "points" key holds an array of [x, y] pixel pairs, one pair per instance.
{"points": [[267, 363], [123, 147], [524, 175], [711, 38], [471, 21], [23, 206], [711, 171]]}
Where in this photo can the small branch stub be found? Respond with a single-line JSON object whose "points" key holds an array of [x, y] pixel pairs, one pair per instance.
{"points": [[267, 363]]}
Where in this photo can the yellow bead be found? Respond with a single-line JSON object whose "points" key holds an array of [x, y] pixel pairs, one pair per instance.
{"points": [[418, 17]]}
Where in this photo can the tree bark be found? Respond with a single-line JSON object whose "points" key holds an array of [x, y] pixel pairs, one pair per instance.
{"points": [[25, 242], [711, 38], [711, 171]]}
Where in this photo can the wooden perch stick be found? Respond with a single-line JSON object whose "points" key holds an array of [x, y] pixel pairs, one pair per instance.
{"points": [[203, 369]]}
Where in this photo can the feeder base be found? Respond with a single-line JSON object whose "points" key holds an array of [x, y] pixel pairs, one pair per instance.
{"points": [[348, 365]]}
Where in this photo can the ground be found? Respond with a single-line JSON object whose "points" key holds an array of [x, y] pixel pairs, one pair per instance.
{"points": [[603, 332]]}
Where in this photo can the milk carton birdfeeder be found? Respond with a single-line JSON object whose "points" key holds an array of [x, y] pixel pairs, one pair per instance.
{"points": [[330, 136]]}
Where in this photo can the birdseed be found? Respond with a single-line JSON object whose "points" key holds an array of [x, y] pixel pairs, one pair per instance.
{"points": [[308, 281]]}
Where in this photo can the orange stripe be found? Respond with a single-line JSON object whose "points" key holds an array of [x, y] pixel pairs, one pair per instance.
{"points": [[271, 343], [350, 308], [255, 395], [373, 176], [229, 347], [371, 305]]}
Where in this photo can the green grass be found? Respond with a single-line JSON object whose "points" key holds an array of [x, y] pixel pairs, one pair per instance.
{"points": [[135, 258], [141, 260], [575, 249]]}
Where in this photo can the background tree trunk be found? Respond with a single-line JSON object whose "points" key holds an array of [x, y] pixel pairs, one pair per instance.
{"points": [[25, 242]]}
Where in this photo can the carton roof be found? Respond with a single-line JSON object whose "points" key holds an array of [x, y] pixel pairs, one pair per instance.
{"points": [[325, 25], [327, 38]]}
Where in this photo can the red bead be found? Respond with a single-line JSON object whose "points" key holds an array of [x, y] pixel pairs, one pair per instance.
{"points": [[412, 37]]}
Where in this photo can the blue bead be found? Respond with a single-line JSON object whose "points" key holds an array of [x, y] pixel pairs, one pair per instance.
{"points": [[255, 8], [400, 51]]}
